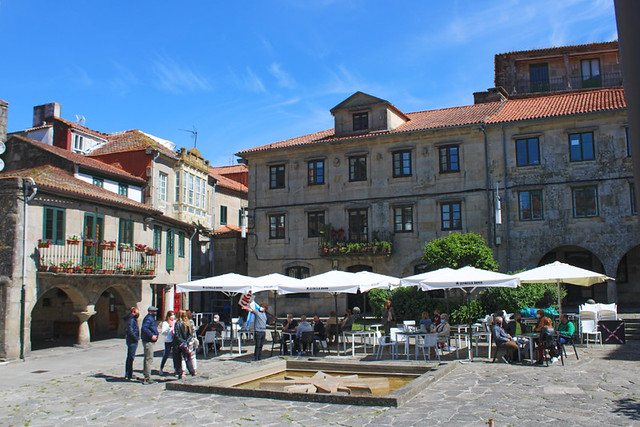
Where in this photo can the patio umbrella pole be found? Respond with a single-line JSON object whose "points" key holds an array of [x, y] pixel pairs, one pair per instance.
{"points": [[470, 352], [559, 298], [335, 300]]}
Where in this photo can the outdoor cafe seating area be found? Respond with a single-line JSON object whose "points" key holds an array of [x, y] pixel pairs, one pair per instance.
{"points": [[366, 339]]}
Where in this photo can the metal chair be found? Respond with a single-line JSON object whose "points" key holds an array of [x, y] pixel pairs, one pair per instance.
{"points": [[211, 337], [276, 339], [382, 342], [427, 341], [306, 341]]}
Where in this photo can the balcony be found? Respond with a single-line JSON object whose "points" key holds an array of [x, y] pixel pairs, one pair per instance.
{"points": [[335, 243], [575, 82], [88, 257]]}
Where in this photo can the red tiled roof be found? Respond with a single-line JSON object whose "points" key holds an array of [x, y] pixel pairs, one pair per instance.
{"points": [[564, 104], [80, 160], [220, 173], [84, 129], [534, 107], [226, 170], [61, 181], [131, 140], [227, 229], [230, 184], [563, 49]]}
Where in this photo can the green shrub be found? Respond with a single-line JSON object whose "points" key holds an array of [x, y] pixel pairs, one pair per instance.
{"points": [[460, 314], [459, 250], [541, 295], [377, 297]]}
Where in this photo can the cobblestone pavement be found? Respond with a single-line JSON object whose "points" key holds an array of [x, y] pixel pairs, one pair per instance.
{"points": [[85, 387]]}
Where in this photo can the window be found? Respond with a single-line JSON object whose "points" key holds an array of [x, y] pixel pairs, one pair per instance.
{"points": [[581, 146], [539, 77], [276, 226], [527, 151], [169, 259], [197, 192], [401, 163], [125, 233], [162, 188], [53, 225], [190, 191], [298, 272], [360, 121], [449, 159], [315, 221], [123, 190], [316, 172], [99, 182], [626, 132], [591, 73], [240, 212], [276, 176], [358, 168], [450, 215], [157, 238], [177, 198], [181, 239], [223, 215], [585, 201], [530, 203], [358, 225], [632, 194], [78, 143], [403, 219]]}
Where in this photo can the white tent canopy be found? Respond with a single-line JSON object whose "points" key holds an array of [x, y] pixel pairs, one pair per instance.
{"points": [[559, 272], [229, 283], [429, 275], [468, 277]]}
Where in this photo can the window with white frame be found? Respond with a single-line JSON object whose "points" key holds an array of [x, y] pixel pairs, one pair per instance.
{"points": [[162, 186]]}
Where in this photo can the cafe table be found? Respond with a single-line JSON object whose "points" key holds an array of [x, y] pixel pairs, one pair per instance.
{"points": [[365, 335], [475, 336], [530, 338], [408, 335], [289, 335]]}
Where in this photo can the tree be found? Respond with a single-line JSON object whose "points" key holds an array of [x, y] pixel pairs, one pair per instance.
{"points": [[459, 250]]}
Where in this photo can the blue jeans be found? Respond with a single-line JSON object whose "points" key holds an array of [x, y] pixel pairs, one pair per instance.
{"points": [[132, 346], [168, 348]]}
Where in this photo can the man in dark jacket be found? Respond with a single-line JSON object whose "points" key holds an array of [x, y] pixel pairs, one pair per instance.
{"points": [[149, 335], [132, 338]]}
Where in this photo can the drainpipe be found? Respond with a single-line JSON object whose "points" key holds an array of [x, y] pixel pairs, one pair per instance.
{"points": [[29, 183], [213, 228], [488, 188], [505, 205]]}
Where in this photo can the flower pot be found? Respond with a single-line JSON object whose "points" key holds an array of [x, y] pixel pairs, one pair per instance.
{"points": [[140, 249], [69, 270], [151, 272], [126, 250], [73, 242], [87, 270], [89, 243], [43, 268], [109, 271], [56, 269], [43, 245], [150, 252]]}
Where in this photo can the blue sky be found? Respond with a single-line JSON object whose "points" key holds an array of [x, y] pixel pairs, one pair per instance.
{"points": [[254, 72]]}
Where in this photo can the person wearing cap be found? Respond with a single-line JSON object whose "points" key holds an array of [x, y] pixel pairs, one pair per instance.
{"points": [[149, 335]]}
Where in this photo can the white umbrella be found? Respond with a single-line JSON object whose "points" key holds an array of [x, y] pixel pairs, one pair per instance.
{"points": [[467, 278], [559, 272], [368, 280], [230, 283], [273, 281], [429, 275], [333, 281]]}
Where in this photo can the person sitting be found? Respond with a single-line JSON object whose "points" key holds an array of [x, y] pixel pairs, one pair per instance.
{"points": [[515, 326], [435, 320], [302, 327], [503, 339], [443, 329], [566, 329], [540, 315], [347, 321], [290, 325], [332, 326], [546, 328], [319, 332], [426, 321], [356, 316]]}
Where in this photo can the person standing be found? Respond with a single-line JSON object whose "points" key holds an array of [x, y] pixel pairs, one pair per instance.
{"points": [[149, 336], [259, 328], [388, 317], [132, 338], [167, 332], [182, 334]]}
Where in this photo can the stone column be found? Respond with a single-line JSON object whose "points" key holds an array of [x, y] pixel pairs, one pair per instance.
{"points": [[84, 335]]}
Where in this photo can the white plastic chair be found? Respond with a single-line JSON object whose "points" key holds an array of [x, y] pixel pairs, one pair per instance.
{"points": [[589, 327], [381, 341], [427, 341], [211, 337], [409, 325]]}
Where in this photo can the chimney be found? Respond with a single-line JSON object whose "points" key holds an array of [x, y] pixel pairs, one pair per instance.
{"points": [[4, 106], [46, 112]]}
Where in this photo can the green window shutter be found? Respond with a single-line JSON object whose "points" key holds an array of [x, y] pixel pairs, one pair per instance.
{"points": [[181, 238], [53, 226], [157, 237], [170, 240]]}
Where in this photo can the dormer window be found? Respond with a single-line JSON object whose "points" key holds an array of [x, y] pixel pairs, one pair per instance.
{"points": [[360, 121], [78, 143]]}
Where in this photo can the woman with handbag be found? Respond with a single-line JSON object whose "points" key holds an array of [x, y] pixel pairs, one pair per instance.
{"points": [[182, 335]]}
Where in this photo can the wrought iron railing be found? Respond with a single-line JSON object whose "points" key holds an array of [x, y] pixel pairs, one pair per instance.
{"points": [[568, 83], [81, 257]]}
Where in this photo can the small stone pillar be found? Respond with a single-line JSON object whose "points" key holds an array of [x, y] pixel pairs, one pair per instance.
{"points": [[84, 335]]}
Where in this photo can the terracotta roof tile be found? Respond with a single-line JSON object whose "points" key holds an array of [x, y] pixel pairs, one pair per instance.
{"points": [[84, 161], [227, 229], [79, 127], [131, 140], [225, 170], [565, 104], [59, 180], [220, 173], [534, 107], [563, 49]]}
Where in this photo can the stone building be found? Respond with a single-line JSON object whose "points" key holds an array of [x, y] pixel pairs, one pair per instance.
{"points": [[69, 264], [542, 175]]}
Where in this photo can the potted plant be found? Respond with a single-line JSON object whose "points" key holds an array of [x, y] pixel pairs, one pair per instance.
{"points": [[67, 266], [44, 243], [140, 247], [89, 242], [108, 245], [152, 251], [125, 247], [74, 240], [119, 268], [43, 268]]}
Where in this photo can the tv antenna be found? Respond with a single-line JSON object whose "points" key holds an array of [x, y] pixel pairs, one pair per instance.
{"points": [[195, 135], [80, 119]]}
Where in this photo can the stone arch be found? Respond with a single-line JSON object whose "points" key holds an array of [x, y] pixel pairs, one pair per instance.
{"points": [[111, 303], [52, 319], [628, 278], [583, 258]]}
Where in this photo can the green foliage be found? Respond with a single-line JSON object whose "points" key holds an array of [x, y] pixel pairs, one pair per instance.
{"points": [[460, 314], [459, 250], [408, 303], [540, 295], [377, 297]]}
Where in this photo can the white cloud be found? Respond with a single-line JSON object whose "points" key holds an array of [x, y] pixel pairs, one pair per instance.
{"points": [[253, 82], [178, 78], [284, 79]]}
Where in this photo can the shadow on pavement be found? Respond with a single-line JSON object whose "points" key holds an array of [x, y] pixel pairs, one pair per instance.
{"points": [[628, 407], [113, 379]]}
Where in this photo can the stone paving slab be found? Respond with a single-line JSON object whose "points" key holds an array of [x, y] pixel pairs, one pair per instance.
{"points": [[85, 387]]}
